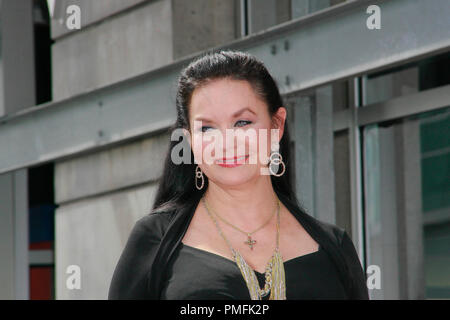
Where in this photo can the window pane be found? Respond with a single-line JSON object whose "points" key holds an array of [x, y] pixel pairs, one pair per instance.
{"points": [[407, 208], [407, 79]]}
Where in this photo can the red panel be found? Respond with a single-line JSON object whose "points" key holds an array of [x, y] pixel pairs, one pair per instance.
{"points": [[43, 245], [41, 283]]}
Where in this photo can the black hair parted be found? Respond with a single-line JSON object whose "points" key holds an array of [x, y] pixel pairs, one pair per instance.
{"points": [[177, 184]]}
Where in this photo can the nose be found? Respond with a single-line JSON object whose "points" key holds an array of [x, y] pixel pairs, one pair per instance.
{"points": [[232, 146]]}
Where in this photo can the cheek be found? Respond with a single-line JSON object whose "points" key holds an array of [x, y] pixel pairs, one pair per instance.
{"points": [[197, 146], [203, 147], [264, 143], [256, 142]]}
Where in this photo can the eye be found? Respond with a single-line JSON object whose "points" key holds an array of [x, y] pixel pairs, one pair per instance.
{"points": [[244, 121]]}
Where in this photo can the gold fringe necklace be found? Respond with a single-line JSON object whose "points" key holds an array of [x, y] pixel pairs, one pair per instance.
{"points": [[275, 282]]}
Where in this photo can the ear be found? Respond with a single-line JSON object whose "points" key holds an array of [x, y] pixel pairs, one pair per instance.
{"points": [[279, 119]]}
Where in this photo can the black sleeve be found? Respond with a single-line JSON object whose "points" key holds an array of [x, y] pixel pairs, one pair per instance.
{"points": [[130, 277], [358, 279]]}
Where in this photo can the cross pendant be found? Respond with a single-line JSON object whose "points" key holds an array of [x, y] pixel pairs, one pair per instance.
{"points": [[250, 242]]}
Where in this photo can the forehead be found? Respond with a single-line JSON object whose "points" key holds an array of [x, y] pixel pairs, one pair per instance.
{"points": [[223, 97]]}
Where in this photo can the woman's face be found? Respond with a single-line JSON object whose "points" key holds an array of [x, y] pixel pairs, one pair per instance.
{"points": [[232, 104]]}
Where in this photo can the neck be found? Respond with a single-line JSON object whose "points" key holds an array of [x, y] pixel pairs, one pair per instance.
{"points": [[247, 206]]}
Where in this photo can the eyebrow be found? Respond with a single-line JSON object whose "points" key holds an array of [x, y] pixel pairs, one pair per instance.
{"points": [[237, 113]]}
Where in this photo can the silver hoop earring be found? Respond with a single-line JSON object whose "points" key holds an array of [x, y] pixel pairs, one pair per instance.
{"points": [[276, 159], [199, 174]]}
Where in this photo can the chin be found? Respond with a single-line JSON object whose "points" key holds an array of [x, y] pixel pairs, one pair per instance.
{"points": [[235, 176]]}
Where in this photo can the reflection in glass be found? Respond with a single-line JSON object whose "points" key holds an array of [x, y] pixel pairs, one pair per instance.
{"points": [[407, 205]]}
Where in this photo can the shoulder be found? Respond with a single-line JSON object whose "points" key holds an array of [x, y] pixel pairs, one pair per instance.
{"points": [[320, 229], [337, 235], [340, 247], [152, 225], [331, 231], [354, 271], [130, 277]]}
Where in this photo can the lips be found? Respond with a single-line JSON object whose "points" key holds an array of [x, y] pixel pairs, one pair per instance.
{"points": [[231, 162]]}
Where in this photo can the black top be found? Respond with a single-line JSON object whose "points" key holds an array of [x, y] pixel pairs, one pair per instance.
{"points": [[198, 274], [156, 238]]}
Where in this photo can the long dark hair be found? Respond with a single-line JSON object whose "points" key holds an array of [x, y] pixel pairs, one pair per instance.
{"points": [[177, 183]]}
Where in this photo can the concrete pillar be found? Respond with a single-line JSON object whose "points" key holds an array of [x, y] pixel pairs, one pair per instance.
{"points": [[324, 198], [381, 208], [341, 164], [7, 289], [14, 266], [410, 226], [17, 80], [304, 158], [313, 140]]}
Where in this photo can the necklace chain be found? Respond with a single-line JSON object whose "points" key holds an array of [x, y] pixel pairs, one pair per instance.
{"points": [[236, 228], [268, 272]]}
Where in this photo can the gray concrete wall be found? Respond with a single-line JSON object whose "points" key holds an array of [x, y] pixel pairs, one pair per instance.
{"points": [[301, 8], [201, 24], [139, 39], [91, 234], [91, 12], [100, 196], [106, 171], [120, 47], [268, 13]]}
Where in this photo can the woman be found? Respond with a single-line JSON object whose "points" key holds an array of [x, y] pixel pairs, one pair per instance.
{"points": [[232, 228]]}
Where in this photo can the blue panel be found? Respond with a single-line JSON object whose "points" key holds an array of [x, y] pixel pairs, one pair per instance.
{"points": [[41, 224]]}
